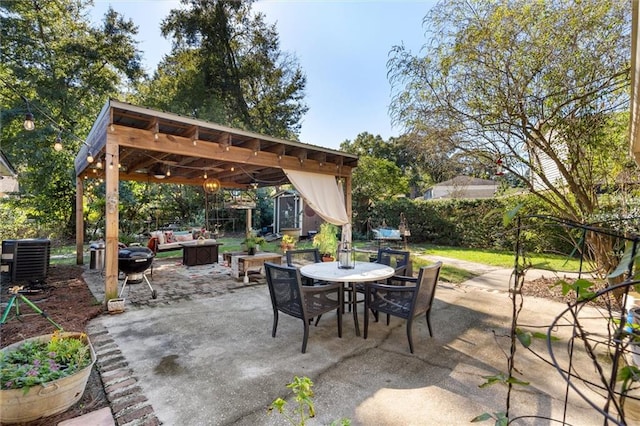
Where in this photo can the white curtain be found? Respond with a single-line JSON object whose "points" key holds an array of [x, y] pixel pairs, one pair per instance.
{"points": [[323, 194]]}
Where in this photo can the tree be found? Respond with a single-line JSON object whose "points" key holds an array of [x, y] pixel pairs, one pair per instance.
{"points": [[525, 82], [226, 66], [55, 64], [375, 179]]}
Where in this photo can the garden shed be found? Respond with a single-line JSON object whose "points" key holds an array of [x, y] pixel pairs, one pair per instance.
{"points": [[291, 215], [129, 142]]}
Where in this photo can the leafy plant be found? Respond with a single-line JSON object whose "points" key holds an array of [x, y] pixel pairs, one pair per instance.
{"points": [[35, 363], [327, 239], [304, 410], [253, 240], [288, 240]]}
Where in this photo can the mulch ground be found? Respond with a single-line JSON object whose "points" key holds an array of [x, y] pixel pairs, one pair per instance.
{"points": [[66, 299]]}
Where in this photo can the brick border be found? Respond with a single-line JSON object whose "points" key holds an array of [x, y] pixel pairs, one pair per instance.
{"points": [[129, 406]]}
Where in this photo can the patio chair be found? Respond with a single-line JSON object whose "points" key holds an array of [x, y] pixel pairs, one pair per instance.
{"points": [[404, 297], [289, 296], [301, 257], [397, 259]]}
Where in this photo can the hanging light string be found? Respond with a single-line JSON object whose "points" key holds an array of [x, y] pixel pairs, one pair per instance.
{"points": [[29, 121]]}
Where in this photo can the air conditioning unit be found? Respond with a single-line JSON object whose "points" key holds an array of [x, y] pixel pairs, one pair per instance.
{"points": [[30, 260]]}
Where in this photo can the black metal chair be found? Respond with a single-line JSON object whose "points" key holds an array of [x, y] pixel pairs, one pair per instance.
{"points": [[301, 257], [289, 296], [397, 259], [404, 297]]}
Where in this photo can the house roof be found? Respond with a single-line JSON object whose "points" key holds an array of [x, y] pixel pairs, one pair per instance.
{"points": [[153, 142], [466, 180], [6, 169]]}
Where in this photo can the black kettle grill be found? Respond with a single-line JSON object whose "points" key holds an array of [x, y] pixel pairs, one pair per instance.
{"points": [[133, 262]]}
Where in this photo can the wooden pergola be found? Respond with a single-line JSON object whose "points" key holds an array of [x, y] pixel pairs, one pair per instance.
{"points": [[145, 145]]}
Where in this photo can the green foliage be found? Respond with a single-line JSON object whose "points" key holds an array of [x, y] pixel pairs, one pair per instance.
{"points": [[65, 68], [376, 179], [581, 287], [455, 93], [500, 418], [226, 66], [35, 363], [326, 240], [304, 410]]}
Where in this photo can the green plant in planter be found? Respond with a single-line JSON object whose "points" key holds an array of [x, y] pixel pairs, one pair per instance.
{"points": [[252, 241], [326, 241], [35, 363]]}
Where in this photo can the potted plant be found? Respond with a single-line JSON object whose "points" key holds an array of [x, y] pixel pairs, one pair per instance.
{"points": [[326, 241], [252, 242], [288, 242], [43, 375]]}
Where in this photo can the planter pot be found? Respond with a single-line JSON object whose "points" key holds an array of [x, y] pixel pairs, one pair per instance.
{"points": [[44, 400]]}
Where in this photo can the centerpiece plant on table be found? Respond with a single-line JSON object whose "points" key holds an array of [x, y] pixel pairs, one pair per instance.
{"points": [[252, 241], [43, 375]]}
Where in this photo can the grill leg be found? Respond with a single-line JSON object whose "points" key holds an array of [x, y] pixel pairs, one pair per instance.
{"points": [[124, 284]]}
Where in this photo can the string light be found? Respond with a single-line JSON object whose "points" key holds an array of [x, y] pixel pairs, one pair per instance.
{"points": [[205, 175], [29, 123], [99, 164], [57, 146]]}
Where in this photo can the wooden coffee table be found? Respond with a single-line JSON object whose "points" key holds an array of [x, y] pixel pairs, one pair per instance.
{"points": [[242, 264]]}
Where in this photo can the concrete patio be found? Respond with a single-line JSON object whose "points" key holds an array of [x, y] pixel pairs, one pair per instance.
{"points": [[202, 354]]}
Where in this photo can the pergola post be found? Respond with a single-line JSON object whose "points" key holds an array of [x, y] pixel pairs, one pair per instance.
{"points": [[79, 221], [111, 218]]}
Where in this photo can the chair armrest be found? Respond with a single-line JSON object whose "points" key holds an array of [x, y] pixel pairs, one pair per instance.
{"points": [[402, 280], [319, 288], [394, 288]]}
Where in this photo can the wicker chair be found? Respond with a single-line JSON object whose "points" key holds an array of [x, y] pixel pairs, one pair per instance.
{"points": [[404, 297], [289, 296]]}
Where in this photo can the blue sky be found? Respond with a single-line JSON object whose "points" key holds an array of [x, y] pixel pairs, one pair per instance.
{"points": [[342, 46]]}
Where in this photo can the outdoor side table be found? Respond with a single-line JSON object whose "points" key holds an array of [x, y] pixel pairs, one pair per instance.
{"points": [[199, 254]]}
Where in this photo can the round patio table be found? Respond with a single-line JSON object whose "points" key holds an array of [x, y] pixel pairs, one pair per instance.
{"points": [[362, 272]]}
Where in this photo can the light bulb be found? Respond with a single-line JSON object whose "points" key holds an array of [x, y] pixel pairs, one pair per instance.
{"points": [[99, 164], [205, 175], [58, 144], [29, 124], [90, 158]]}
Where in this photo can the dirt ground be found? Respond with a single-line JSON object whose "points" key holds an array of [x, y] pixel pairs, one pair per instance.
{"points": [[65, 297]]}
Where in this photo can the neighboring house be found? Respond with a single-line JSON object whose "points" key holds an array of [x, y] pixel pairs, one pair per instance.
{"points": [[549, 169], [462, 187], [8, 177]]}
